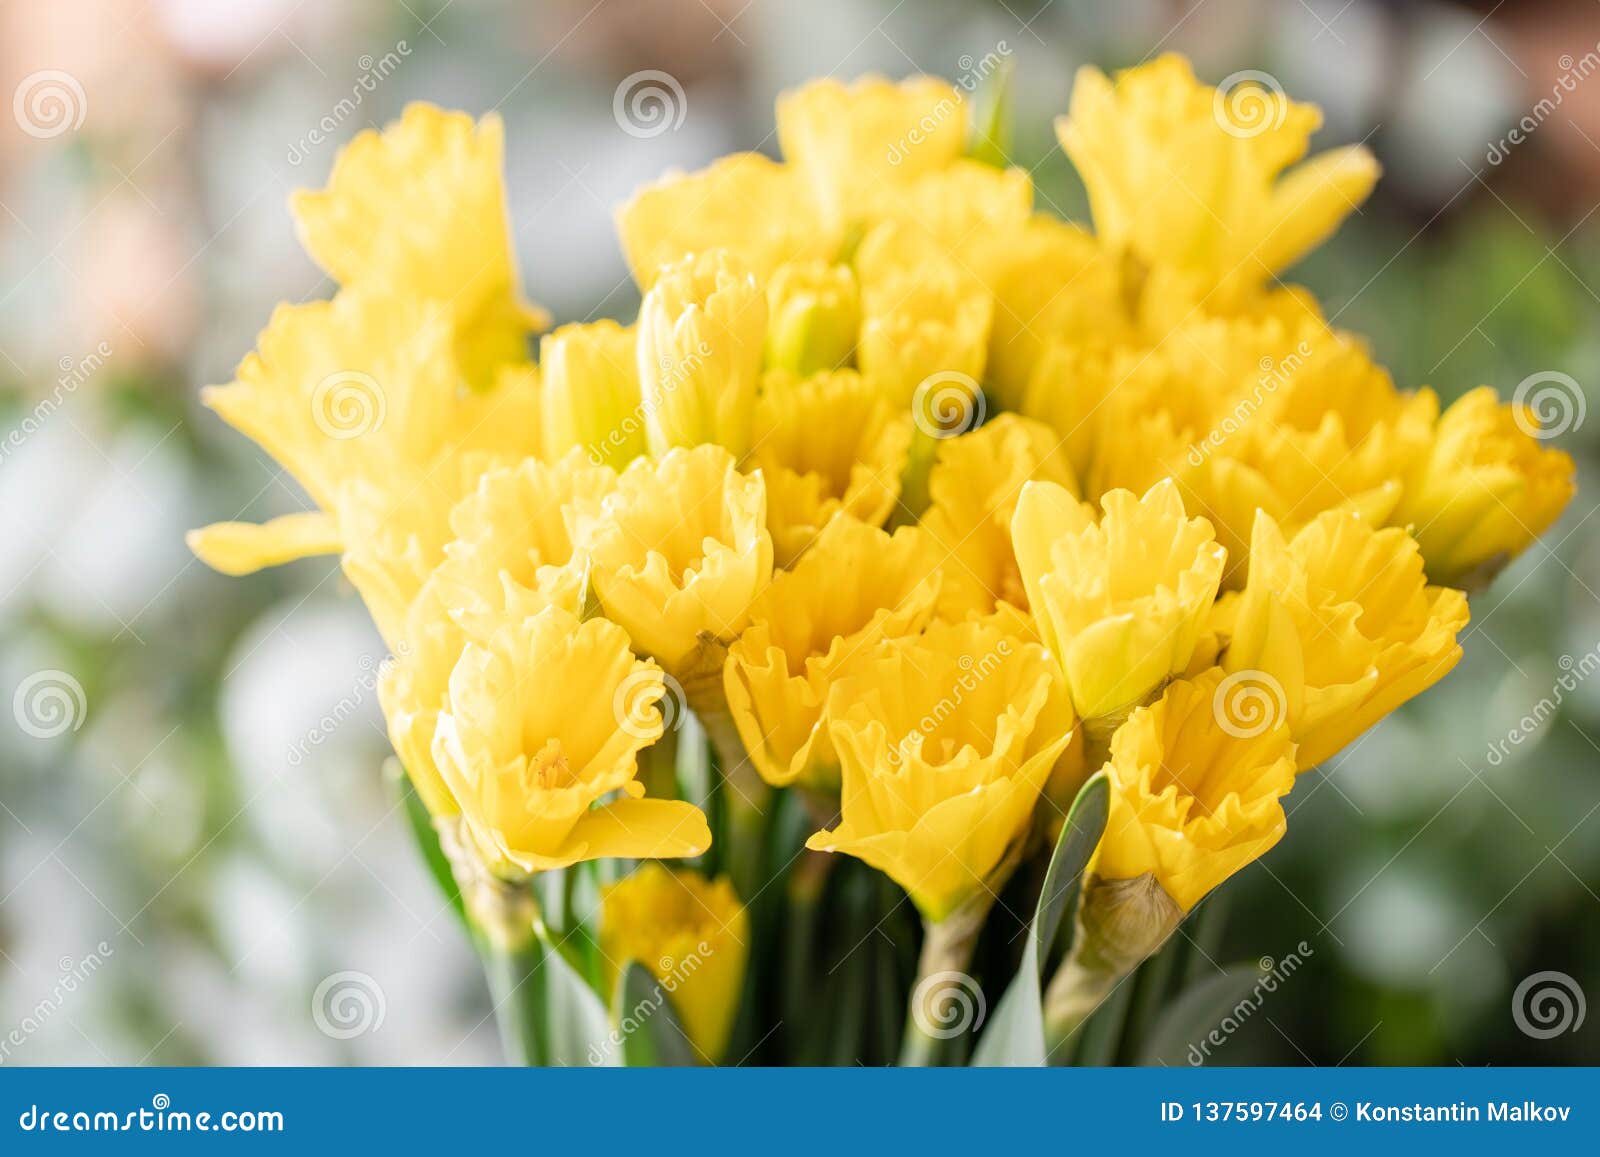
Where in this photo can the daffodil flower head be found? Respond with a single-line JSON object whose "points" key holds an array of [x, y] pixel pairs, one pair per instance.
{"points": [[808, 629], [702, 326], [677, 552], [1339, 627], [544, 720], [814, 313], [591, 393], [1488, 487], [925, 324], [1121, 599], [692, 935], [827, 444], [945, 741]]}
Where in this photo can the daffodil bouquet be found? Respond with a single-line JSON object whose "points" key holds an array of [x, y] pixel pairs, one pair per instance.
{"points": [[913, 550]]}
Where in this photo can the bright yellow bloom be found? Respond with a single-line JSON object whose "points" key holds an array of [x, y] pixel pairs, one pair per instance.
{"points": [[591, 392], [814, 312], [756, 208], [513, 554], [414, 685], [360, 389], [419, 210], [829, 443], [856, 143], [1485, 491], [701, 329], [945, 741], [1120, 601], [678, 552], [809, 628], [1187, 176], [1194, 798], [543, 720], [1337, 627], [967, 211], [925, 327], [975, 483], [692, 935]]}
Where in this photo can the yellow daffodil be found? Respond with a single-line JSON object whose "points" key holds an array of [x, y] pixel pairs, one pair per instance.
{"points": [[759, 210], [1336, 628], [533, 734], [808, 629], [826, 444], [692, 935], [701, 329], [975, 483], [967, 211], [814, 312], [1120, 600], [925, 327], [414, 685], [512, 554], [1485, 491], [855, 143], [1192, 177], [678, 551], [419, 210], [591, 393], [945, 742]]}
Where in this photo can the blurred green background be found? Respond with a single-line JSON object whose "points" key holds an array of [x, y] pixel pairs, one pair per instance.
{"points": [[202, 837]]}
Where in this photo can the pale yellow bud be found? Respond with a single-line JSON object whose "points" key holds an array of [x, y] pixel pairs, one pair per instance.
{"points": [[814, 312], [591, 394]]}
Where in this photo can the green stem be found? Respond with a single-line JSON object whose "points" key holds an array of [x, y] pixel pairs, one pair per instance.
{"points": [[748, 802], [944, 994], [514, 985]]}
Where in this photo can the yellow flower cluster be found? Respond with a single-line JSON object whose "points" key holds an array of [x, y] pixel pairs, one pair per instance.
{"points": [[934, 501]]}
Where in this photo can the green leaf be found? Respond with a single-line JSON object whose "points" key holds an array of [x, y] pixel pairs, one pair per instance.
{"points": [[995, 120], [575, 1028], [1179, 1036], [651, 1032], [427, 838], [1014, 1035]]}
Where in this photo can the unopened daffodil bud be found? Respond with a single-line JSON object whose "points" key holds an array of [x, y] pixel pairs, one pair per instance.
{"points": [[1194, 798], [1335, 629], [1487, 488], [701, 327], [807, 631], [1120, 600], [813, 314], [945, 741], [678, 551], [543, 720], [692, 935], [591, 393]]}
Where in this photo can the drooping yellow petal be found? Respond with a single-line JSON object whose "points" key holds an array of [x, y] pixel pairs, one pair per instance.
{"points": [[240, 548]]}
